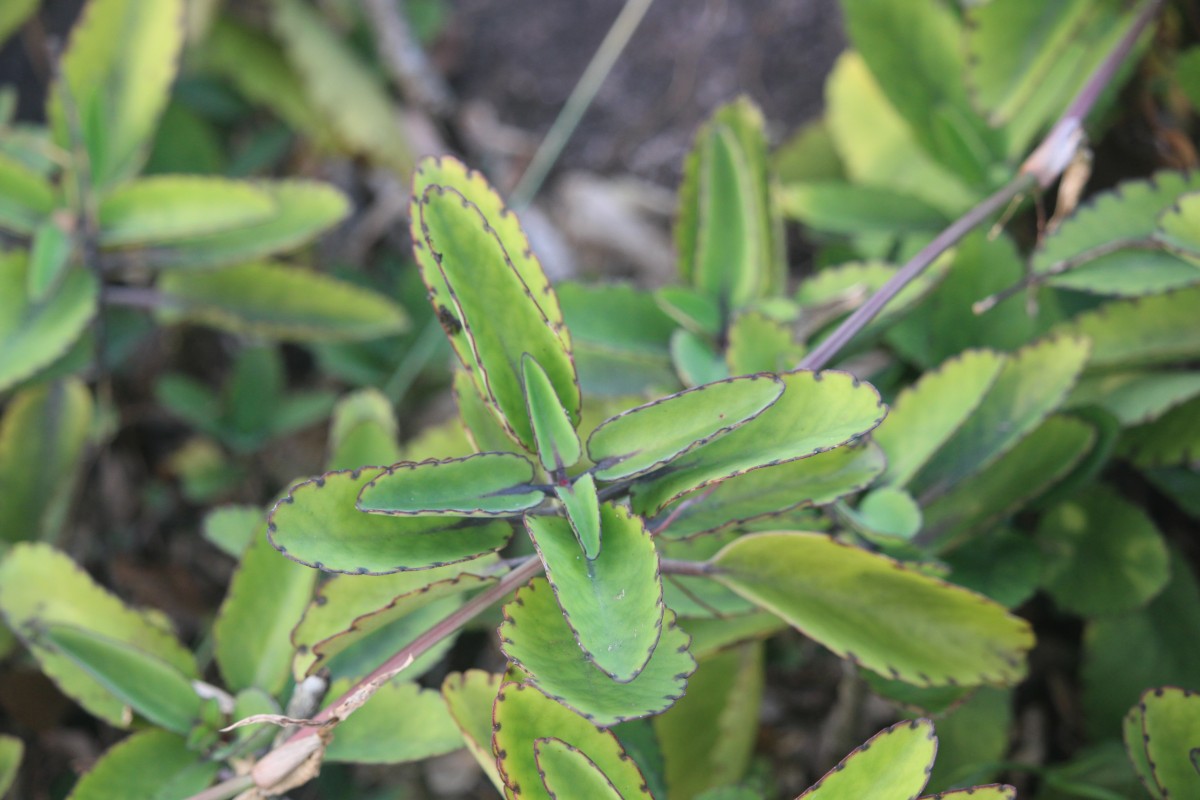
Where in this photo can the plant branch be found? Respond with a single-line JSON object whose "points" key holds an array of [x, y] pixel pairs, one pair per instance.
{"points": [[225, 789], [581, 97], [1041, 168], [528, 570], [138, 297], [675, 566]]}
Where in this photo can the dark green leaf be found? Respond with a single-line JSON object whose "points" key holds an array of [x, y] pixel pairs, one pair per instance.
{"points": [[1171, 440], [695, 359], [855, 209], [582, 505], [151, 765], [49, 258]]}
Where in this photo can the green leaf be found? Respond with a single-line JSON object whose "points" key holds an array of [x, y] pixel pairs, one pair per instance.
{"points": [[1136, 397], [620, 338], [695, 310], [302, 210], [696, 359], [890, 512], [758, 343], [1026, 59], [482, 485], [1171, 440], [345, 90], [150, 686], [535, 636], [1141, 332], [42, 437], [1164, 748], [645, 438], [766, 492], [993, 791], [78, 601], [164, 208], [266, 598], [469, 697], [875, 611], [817, 412], [894, 764], [26, 198], [523, 715], [878, 147], [363, 431], [1104, 555], [1165, 635], [1127, 214], [1038, 463], [11, 751], [48, 259], [697, 595], [855, 209], [1031, 384], [613, 603], [973, 739], [35, 334], [927, 91], [378, 612], [712, 635], [1177, 224], [154, 765], [318, 525], [281, 302], [472, 185], [582, 505], [115, 79], [401, 722], [469, 272], [1181, 485], [708, 737], [927, 413], [725, 179], [557, 443], [566, 770], [481, 427], [13, 16]]}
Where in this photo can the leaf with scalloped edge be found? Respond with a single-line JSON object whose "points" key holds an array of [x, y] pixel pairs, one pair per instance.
{"points": [[471, 184], [1136, 397], [554, 433], [1177, 225], [301, 211], [726, 235], [496, 319], [158, 691], [758, 343], [43, 433], [401, 722], [708, 737], [1141, 332], [927, 413], [1162, 735], [1031, 384], [567, 772], [523, 715], [815, 481], [645, 438], [894, 764], [79, 601], [1171, 440], [992, 791], [877, 612], [33, 335], [114, 82], [266, 598], [817, 412], [469, 696], [349, 609], [612, 603], [536, 636], [279, 301], [318, 525], [482, 485], [152, 763], [1128, 213]]}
